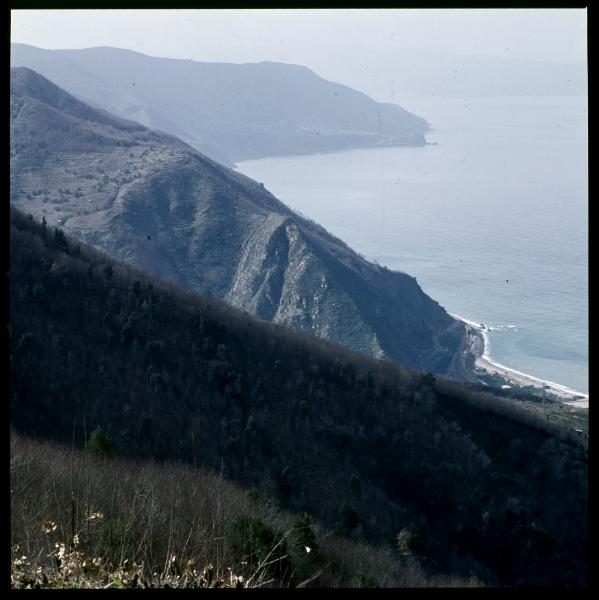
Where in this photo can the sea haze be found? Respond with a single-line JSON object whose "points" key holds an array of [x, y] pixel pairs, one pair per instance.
{"points": [[492, 220]]}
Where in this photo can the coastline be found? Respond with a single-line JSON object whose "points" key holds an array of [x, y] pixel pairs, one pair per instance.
{"points": [[479, 344], [397, 143]]}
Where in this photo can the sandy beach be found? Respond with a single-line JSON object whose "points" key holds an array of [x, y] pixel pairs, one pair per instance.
{"points": [[480, 344]]}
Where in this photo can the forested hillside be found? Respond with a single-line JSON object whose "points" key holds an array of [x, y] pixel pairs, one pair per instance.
{"points": [[473, 483]]}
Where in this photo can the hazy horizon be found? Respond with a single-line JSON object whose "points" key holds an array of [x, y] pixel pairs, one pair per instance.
{"points": [[382, 52]]}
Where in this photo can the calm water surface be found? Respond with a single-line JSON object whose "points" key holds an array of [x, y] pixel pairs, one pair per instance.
{"points": [[492, 220]]}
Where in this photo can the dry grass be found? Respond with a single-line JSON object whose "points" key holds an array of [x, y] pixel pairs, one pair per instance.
{"points": [[80, 521], [76, 570]]}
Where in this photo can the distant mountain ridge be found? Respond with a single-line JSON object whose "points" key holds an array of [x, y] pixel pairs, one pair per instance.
{"points": [[230, 112], [409, 74], [152, 200]]}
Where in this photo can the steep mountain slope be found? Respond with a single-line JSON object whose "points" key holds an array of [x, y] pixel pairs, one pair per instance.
{"points": [[474, 483], [228, 111], [149, 199]]}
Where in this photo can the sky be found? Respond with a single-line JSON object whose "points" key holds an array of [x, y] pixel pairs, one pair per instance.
{"points": [[242, 35], [344, 45]]}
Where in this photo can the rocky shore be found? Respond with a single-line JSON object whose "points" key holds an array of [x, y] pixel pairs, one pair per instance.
{"points": [[484, 367]]}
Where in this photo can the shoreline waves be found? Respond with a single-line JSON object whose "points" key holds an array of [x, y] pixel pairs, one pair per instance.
{"points": [[486, 363]]}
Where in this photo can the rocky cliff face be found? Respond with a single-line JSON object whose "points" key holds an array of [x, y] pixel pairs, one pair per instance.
{"points": [[150, 199], [230, 112]]}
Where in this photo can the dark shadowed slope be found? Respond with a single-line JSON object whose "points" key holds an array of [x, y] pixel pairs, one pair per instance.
{"points": [[228, 111], [475, 483], [150, 199]]}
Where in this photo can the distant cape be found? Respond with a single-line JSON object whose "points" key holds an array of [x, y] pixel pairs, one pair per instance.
{"points": [[230, 112]]}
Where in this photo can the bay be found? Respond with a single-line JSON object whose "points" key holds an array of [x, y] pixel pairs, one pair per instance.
{"points": [[491, 218]]}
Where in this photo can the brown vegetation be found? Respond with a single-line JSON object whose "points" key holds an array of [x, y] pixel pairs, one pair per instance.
{"points": [[83, 521]]}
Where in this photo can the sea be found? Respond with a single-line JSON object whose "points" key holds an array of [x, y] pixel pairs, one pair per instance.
{"points": [[491, 217]]}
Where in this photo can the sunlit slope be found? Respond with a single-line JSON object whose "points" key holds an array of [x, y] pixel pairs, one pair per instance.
{"points": [[150, 199]]}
